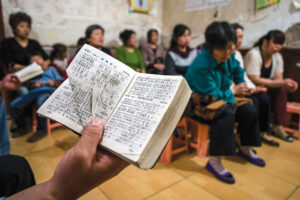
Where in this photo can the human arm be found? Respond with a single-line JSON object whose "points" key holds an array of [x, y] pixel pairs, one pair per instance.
{"points": [[81, 169]]}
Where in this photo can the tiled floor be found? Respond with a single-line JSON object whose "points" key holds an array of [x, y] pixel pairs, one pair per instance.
{"points": [[184, 178]]}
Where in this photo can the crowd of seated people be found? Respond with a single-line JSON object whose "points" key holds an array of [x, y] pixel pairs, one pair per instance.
{"points": [[215, 68]]}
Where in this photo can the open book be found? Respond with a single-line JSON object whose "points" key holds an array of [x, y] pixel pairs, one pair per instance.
{"points": [[139, 111], [29, 72]]}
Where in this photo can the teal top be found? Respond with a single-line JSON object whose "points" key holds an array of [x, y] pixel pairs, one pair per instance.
{"points": [[134, 60], [207, 76]]}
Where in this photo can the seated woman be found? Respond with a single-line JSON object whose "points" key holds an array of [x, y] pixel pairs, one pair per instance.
{"points": [[256, 93], [128, 53], [15, 50], [153, 54], [59, 59], [42, 88], [211, 74], [264, 66], [180, 55], [94, 36]]}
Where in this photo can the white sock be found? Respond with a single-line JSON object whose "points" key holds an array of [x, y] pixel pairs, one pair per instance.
{"points": [[215, 162], [248, 151]]}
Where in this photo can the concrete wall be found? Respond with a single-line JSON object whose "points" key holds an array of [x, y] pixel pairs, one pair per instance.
{"points": [[65, 21], [256, 23]]}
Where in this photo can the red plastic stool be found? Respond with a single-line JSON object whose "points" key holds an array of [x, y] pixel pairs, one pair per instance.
{"points": [[292, 107], [49, 124], [183, 138]]}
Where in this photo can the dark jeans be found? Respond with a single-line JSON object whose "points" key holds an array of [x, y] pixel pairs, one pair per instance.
{"points": [[222, 140], [263, 106], [278, 97], [18, 106], [15, 175], [4, 139]]}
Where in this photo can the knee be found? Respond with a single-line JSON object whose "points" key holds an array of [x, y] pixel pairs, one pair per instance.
{"points": [[265, 100], [227, 119], [249, 110]]}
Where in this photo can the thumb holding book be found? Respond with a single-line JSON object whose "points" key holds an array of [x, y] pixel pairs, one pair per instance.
{"points": [[85, 166]]}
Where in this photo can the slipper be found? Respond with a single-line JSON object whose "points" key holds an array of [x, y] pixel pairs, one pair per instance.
{"points": [[287, 138], [256, 161], [226, 177], [270, 142]]}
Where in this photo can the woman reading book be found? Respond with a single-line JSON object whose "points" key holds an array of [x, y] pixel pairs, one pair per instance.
{"points": [[211, 73]]}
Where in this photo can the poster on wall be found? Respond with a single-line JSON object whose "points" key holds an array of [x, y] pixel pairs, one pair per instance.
{"points": [[264, 3], [192, 5]]}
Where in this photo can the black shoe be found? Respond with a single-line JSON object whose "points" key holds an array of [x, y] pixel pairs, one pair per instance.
{"points": [[270, 142], [37, 136], [19, 132]]}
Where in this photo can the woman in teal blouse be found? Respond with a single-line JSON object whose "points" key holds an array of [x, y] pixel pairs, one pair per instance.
{"points": [[211, 74], [128, 53]]}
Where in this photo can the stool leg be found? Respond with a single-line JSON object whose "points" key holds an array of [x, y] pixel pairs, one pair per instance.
{"points": [[167, 154], [202, 140]]}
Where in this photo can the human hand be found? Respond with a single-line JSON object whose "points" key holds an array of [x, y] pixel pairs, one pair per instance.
{"points": [[83, 167], [259, 89], [290, 85], [138, 69], [18, 66], [50, 83], [240, 89], [160, 67], [37, 84], [11, 82]]}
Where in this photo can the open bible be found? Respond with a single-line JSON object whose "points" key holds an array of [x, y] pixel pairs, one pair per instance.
{"points": [[29, 72], [139, 111]]}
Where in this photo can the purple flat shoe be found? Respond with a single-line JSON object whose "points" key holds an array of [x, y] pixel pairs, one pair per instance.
{"points": [[226, 177], [256, 161]]}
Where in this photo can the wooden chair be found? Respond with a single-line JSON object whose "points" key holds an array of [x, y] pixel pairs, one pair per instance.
{"points": [[50, 124], [292, 107], [182, 138]]}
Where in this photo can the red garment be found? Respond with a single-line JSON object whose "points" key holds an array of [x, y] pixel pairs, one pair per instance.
{"points": [[62, 72]]}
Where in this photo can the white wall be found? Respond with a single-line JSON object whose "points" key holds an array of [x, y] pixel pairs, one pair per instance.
{"points": [[65, 21], [256, 23]]}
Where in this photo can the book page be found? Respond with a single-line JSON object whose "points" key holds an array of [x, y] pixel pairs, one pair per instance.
{"points": [[96, 83], [139, 113], [29, 72]]}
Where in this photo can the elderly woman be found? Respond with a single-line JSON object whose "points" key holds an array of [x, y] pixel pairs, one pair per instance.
{"points": [[264, 66], [16, 50], [211, 74]]}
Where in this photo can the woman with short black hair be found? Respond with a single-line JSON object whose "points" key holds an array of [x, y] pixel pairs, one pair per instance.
{"points": [[264, 66], [128, 53], [212, 73], [16, 50], [94, 36]]}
